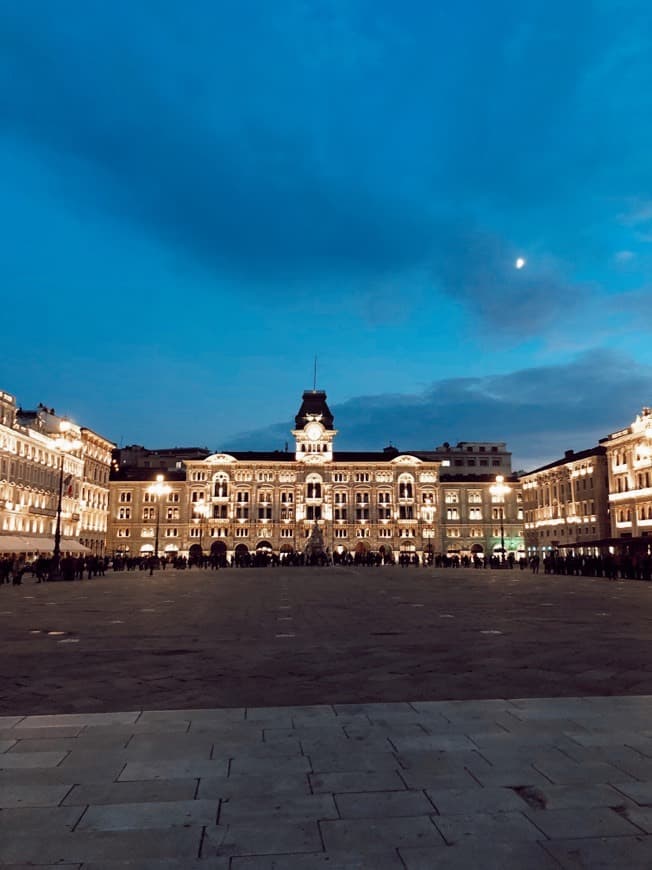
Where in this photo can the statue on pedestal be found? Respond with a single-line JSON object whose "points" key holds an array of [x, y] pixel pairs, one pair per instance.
{"points": [[315, 552]]}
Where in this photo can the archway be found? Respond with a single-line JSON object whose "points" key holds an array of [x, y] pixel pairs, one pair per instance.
{"points": [[385, 553], [218, 553], [263, 554], [146, 549], [477, 550], [195, 554], [241, 555]]}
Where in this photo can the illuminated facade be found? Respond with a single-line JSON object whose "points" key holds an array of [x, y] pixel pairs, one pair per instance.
{"points": [[229, 503], [629, 466], [566, 504], [34, 468]]}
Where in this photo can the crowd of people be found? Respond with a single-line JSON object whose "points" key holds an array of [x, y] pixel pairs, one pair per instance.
{"points": [[14, 567]]}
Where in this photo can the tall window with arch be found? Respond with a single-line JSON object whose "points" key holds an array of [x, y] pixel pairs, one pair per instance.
{"points": [[221, 486]]}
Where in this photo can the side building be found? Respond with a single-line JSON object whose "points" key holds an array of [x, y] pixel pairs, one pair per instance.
{"points": [[51, 469], [231, 504], [566, 504], [629, 468]]}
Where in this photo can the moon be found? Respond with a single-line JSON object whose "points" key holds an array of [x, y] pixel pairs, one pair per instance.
{"points": [[520, 262]]}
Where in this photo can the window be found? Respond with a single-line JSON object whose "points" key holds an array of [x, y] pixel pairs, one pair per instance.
{"points": [[287, 533], [341, 533], [451, 496], [405, 489], [313, 512], [452, 513], [475, 513], [384, 498], [125, 496], [339, 477], [384, 533], [221, 486], [147, 497], [241, 532], [287, 513], [194, 532], [219, 512], [124, 513], [242, 512], [340, 513], [362, 498], [363, 533], [313, 490], [495, 462], [362, 477], [242, 497], [173, 497], [196, 495], [265, 476], [361, 513], [171, 533], [452, 533], [287, 497], [474, 497], [406, 512], [123, 533]]}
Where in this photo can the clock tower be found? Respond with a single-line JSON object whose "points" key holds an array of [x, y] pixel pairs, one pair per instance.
{"points": [[314, 430]]}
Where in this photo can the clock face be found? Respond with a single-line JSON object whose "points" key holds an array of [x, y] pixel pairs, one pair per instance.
{"points": [[313, 431]]}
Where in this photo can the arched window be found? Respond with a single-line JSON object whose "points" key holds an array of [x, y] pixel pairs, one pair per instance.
{"points": [[405, 487], [221, 486], [313, 486]]}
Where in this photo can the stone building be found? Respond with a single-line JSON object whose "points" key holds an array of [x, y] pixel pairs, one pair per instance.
{"points": [[629, 468], [164, 460], [236, 502], [47, 463], [566, 504]]}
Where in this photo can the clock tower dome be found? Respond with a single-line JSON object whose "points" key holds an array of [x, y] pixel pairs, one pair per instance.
{"points": [[314, 430]]}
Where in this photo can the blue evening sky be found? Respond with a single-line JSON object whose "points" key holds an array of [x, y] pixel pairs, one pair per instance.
{"points": [[199, 197]]}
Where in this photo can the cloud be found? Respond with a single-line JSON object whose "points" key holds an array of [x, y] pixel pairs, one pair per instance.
{"points": [[351, 141], [539, 412]]}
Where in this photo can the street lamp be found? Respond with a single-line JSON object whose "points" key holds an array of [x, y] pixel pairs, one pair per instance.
{"points": [[200, 507], [158, 489], [498, 492], [63, 444]]}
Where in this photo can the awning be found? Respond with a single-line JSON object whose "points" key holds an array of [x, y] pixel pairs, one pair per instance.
{"points": [[26, 544]]}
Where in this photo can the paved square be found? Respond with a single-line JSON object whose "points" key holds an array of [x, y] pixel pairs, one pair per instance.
{"points": [[341, 718], [275, 637]]}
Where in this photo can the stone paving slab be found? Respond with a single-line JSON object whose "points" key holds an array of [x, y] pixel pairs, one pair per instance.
{"points": [[321, 794]]}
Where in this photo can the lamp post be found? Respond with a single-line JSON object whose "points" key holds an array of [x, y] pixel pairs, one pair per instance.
{"points": [[63, 445], [158, 489], [201, 508], [498, 492]]}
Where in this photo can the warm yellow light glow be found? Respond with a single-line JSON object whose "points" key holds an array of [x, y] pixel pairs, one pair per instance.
{"points": [[159, 488]]}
